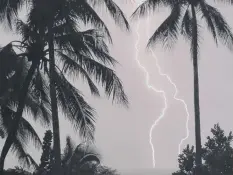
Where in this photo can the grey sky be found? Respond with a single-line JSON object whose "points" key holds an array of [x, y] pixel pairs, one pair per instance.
{"points": [[122, 136]]}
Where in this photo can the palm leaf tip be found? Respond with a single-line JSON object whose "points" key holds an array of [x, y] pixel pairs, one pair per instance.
{"points": [[149, 6], [117, 14], [221, 27], [167, 33]]}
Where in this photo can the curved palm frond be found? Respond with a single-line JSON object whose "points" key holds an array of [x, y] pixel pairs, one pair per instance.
{"points": [[37, 101], [150, 6], [209, 21], [76, 109], [186, 26], [89, 158], [219, 24], [80, 157], [94, 40], [14, 81], [27, 133], [104, 76], [115, 11], [71, 67], [168, 31], [9, 10], [81, 54], [18, 148]]}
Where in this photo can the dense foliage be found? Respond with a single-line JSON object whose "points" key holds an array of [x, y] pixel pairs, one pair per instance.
{"points": [[217, 155]]}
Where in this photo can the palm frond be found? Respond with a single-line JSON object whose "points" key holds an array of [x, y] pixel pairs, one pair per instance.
{"points": [[18, 148], [71, 67], [89, 158], [167, 32], [106, 77], [150, 6], [76, 109], [114, 10], [186, 26], [206, 15], [37, 101], [84, 12], [94, 40], [9, 10], [27, 133], [90, 42], [223, 30]]}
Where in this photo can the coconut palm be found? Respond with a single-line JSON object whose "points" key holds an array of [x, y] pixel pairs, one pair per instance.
{"points": [[83, 53], [75, 159], [16, 91], [64, 16], [42, 14], [14, 69], [183, 20]]}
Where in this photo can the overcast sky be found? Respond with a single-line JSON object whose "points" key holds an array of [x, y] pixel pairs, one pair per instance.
{"points": [[122, 135]]}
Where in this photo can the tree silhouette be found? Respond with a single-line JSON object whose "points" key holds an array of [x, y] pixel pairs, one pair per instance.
{"points": [[20, 92], [217, 155], [46, 152], [44, 16], [183, 20]]}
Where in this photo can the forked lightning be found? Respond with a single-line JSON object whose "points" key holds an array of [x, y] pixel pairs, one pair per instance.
{"points": [[159, 91]]}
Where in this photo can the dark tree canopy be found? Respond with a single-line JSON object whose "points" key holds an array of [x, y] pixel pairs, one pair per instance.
{"points": [[217, 155]]}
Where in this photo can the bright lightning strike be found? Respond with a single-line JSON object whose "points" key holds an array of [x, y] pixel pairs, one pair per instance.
{"points": [[176, 91], [150, 87], [160, 91]]}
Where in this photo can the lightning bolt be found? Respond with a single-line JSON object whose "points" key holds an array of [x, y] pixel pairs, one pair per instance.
{"points": [[150, 87], [176, 91], [160, 91]]}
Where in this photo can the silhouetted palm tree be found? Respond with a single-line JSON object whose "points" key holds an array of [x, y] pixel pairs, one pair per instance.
{"points": [[64, 16], [46, 14], [75, 159], [83, 53], [183, 20], [34, 99]]}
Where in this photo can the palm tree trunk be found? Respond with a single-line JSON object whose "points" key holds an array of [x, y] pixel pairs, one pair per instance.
{"points": [[18, 115], [198, 160], [56, 131]]}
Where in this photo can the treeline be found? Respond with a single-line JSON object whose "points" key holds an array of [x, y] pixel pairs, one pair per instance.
{"points": [[217, 155]]}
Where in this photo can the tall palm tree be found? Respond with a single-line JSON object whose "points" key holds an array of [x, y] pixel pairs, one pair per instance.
{"points": [[14, 68], [183, 20], [66, 14], [73, 11], [14, 74], [83, 53]]}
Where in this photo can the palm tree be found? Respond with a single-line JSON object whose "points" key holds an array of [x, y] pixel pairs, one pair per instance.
{"points": [[64, 16], [84, 53], [74, 158], [73, 11], [14, 74], [183, 20]]}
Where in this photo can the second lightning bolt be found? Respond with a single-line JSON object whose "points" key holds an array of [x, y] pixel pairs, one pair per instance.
{"points": [[162, 92]]}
